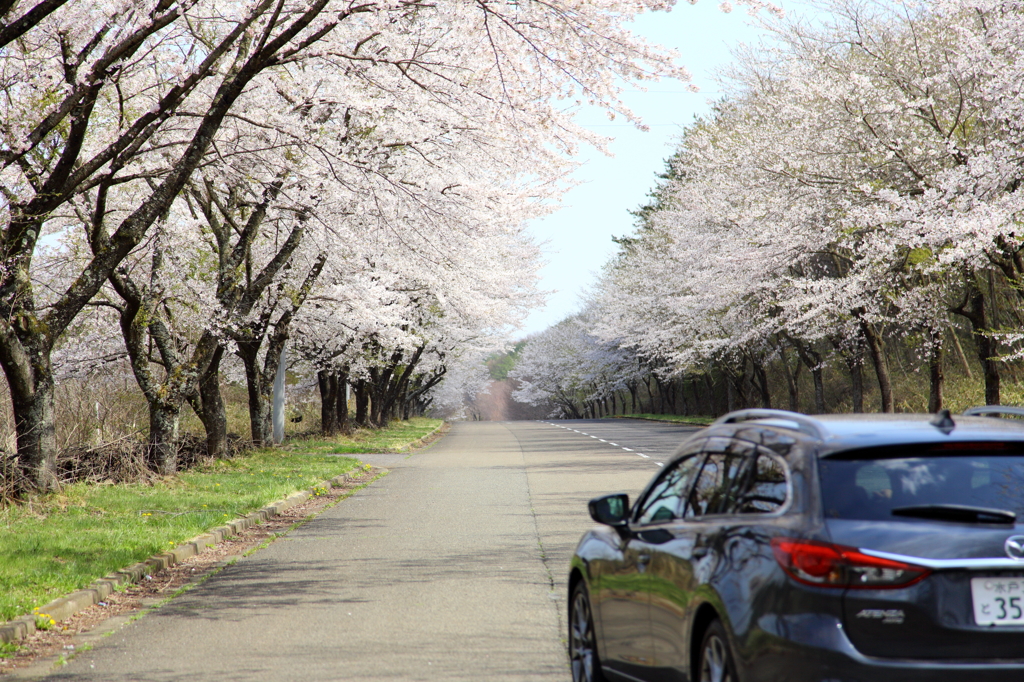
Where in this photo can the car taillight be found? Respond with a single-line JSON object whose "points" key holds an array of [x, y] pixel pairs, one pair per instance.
{"points": [[827, 565]]}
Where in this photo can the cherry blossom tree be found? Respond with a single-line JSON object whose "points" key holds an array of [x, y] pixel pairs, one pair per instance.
{"points": [[568, 366], [91, 91], [118, 105], [858, 186]]}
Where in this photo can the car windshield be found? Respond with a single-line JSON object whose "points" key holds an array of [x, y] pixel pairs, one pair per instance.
{"points": [[871, 485]]}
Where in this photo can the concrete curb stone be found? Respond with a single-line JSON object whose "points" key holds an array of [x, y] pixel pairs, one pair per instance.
{"points": [[422, 440], [64, 607]]}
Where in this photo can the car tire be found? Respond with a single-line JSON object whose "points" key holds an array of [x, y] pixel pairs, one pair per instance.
{"points": [[583, 659], [716, 661]]}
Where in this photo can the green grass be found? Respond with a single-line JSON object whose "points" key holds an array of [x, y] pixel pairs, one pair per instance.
{"points": [[60, 543], [396, 438], [676, 418]]}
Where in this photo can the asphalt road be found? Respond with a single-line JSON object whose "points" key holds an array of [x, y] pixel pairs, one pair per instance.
{"points": [[452, 567]]}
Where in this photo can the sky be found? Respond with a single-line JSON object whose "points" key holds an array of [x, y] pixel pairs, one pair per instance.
{"points": [[579, 235]]}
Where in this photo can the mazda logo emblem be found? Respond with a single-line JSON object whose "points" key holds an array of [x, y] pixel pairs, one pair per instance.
{"points": [[1014, 547]]}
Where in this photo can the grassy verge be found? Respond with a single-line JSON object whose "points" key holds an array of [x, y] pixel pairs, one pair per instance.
{"points": [[396, 438], [675, 418], [62, 542]]}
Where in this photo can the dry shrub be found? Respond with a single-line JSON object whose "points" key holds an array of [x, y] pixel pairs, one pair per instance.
{"points": [[121, 461], [192, 449], [127, 460], [99, 410], [12, 481]]}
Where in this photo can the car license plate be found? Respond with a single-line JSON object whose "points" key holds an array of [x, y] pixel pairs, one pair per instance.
{"points": [[998, 601]]}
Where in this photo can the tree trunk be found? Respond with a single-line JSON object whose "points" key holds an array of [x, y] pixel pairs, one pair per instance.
{"points": [[650, 395], [213, 414], [985, 344], [695, 393], [819, 391], [327, 382], [713, 403], [936, 375], [812, 360], [341, 403], [664, 400], [877, 353], [362, 403], [259, 392], [960, 352], [746, 387], [987, 351], [857, 384], [761, 382], [32, 389], [668, 389], [378, 386], [143, 331], [164, 417], [791, 382], [398, 381]]}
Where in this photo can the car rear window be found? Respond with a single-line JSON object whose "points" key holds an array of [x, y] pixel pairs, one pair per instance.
{"points": [[870, 484]]}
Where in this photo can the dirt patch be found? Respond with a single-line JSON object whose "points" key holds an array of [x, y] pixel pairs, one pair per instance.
{"points": [[66, 637]]}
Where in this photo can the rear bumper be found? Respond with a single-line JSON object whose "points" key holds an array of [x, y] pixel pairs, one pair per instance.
{"points": [[811, 648]]}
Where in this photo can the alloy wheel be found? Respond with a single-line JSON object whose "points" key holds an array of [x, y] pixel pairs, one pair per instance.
{"points": [[582, 647], [715, 665]]}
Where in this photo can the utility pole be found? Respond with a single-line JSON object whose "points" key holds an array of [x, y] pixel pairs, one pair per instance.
{"points": [[278, 409]]}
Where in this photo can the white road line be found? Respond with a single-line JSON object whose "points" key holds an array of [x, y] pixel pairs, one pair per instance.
{"points": [[661, 464]]}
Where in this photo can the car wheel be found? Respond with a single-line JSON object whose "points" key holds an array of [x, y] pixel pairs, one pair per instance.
{"points": [[716, 664], [582, 642]]}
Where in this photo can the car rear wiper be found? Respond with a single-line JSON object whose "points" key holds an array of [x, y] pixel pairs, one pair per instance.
{"points": [[957, 512]]}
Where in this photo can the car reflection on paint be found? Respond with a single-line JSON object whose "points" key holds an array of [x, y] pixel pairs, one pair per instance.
{"points": [[775, 546]]}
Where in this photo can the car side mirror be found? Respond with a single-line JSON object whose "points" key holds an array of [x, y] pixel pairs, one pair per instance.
{"points": [[611, 510]]}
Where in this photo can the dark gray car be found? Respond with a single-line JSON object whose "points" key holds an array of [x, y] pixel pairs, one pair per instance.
{"points": [[780, 547]]}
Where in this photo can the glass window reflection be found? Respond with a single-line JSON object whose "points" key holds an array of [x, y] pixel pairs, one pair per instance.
{"points": [[665, 500], [871, 489]]}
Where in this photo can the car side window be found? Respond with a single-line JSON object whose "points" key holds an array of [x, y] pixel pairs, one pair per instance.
{"points": [[765, 487], [739, 479], [665, 500], [711, 494]]}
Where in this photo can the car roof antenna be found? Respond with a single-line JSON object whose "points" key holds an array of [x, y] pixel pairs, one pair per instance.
{"points": [[943, 422]]}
